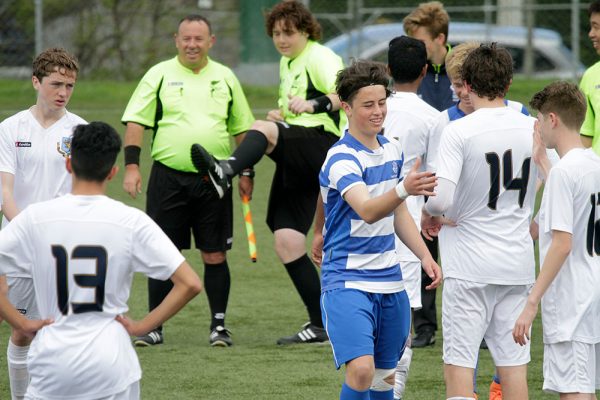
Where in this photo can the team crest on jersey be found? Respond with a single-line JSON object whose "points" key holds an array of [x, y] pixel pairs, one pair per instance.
{"points": [[64, 146]]}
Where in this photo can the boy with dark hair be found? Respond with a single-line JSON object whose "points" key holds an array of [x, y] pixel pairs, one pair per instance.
{"points": [[569, 246], [487, 186], [408, 124], [429, 23], [81, 251], [33, 146], [365, 308], [590, 130]]}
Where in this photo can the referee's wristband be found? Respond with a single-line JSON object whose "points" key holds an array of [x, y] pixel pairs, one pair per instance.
{"points": [[132, 154], [401, 191], [321, 104], [249, 172]]}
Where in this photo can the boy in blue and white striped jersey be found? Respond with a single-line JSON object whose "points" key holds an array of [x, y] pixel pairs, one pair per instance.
{"points": [[365, 309]]}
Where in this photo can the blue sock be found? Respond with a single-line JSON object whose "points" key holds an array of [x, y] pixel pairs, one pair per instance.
{"points": [[387, 395], [496, 379], [348, 393]]}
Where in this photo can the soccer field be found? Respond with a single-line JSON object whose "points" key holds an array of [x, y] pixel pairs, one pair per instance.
{"points": [[263, 303]]}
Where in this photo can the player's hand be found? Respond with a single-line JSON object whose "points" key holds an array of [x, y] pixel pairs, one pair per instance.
{"points": [[134, 328], [132, 182], [275, 116], [431, 226], [31, 326], [298, 105], [534, 230], [420, 183], [316, 250], [539, 154], [522, 329], [246, 187], [433, 270]]}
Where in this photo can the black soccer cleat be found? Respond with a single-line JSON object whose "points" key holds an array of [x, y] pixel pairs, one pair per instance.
{"points": [[219, 172], [308, 334], [150, 339], [220, 337]]}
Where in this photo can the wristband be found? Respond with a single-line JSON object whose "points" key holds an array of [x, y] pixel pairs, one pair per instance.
{"points": [[401, 191], [132, 154], [249, 172], [321, 104]]}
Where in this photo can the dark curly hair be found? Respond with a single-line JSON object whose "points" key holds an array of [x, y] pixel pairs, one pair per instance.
{"points": [[594, 8], [358, 75], [563, 99], [488, 69], [293, 15], [94, 150]]}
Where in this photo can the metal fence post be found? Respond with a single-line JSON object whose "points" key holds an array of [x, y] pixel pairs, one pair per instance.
{"points": [[39, 24]]}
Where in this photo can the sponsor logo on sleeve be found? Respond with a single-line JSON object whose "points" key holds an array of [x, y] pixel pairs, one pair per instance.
{"points": [[22, 144]]}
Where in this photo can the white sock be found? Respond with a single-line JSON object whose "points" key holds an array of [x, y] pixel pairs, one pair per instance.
{"points": [[17, 370], [402, 373]]}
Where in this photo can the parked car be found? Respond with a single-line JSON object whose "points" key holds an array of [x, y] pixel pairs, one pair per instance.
{"points": [[552, 59]]}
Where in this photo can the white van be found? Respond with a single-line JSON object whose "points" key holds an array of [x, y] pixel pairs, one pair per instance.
{"points": [[551, 58]]}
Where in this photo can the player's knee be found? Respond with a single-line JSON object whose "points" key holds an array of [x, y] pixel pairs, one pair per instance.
{"points": [[383, 380], [267, 128], [213, 258]]}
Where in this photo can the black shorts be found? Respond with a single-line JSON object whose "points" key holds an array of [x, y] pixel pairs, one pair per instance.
{"points": [[182, 203], [299, 156]]}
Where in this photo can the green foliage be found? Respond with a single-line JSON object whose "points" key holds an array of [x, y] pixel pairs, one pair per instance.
{"points": [[263, 303]]}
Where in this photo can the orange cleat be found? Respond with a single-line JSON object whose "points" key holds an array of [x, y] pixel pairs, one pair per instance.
{"points": [[495, 391]]}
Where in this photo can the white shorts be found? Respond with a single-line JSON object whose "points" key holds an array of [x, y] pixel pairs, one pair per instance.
{"points": [[131, 393], [411, 276], [21, 294], [472, 311], [571, 367]]}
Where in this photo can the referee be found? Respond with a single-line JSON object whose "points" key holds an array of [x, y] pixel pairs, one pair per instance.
{"points": [[188, 99]]}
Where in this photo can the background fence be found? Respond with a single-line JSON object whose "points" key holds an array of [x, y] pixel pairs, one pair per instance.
{"points": [[120, 39]]}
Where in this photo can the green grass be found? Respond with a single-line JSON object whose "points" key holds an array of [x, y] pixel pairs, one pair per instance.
{"points": [[263, 303]]}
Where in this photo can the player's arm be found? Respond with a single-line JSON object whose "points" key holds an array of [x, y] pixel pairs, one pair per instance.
{"points": [[373, 209], [9, 206], [132, 181], [409, 234], [432, 214], [317, 243], [19, 322], [326, 103], [559, 250], [186, 285]]}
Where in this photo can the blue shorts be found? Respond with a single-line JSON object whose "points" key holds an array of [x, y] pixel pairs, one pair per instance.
{"points": [[360, 323]]}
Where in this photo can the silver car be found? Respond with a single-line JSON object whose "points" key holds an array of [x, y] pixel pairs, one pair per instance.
{"points": [[551, 58]]}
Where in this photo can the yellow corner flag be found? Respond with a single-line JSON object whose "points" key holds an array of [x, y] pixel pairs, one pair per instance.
{"points": [[249, 228]]}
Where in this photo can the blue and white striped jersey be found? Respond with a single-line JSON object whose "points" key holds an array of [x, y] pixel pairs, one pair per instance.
{"points": [[357, 254]]}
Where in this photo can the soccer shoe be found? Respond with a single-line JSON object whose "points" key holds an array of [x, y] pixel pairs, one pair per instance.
{"points": [[495, 391], [402, 373], [308, 334], [218, 172], [220, 337], [423, 339], [150, 339]]}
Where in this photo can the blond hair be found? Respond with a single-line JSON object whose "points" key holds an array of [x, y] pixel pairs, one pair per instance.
{"points": [[430, 15], [456, 57]]}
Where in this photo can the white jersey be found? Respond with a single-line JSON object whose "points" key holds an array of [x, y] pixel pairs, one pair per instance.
{"points": [[452, 114], [36, 156], [409, 122], [487, 154], [81, 252], [571, 305]]}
